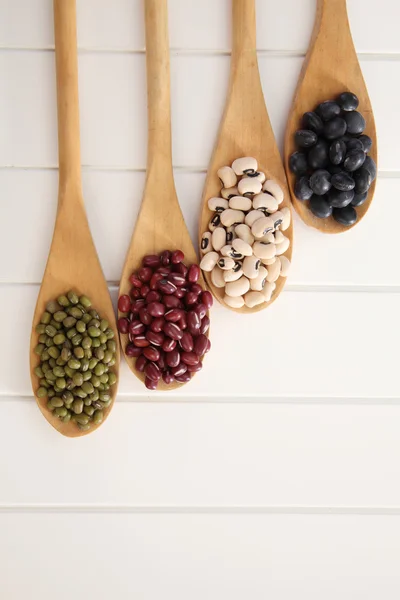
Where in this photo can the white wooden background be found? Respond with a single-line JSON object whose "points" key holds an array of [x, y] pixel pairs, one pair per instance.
{"points": [[275, 473]]}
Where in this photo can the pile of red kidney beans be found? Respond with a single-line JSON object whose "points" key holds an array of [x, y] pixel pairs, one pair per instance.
{"points": [[166, 319]]}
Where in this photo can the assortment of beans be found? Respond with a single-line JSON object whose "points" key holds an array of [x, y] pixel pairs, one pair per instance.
{"points": [[244, 247], [332, 166], [77, 350], [165, 317]]}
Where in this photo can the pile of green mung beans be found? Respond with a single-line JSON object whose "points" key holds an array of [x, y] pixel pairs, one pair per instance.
{"points": [[77, 350]]}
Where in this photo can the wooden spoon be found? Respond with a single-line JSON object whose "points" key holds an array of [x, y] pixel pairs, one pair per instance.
{"points": [[73, 262], [330, 68], [160, 225], [245, 131]]}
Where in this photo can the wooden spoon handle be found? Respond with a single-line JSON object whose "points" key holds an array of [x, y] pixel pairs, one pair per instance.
{"points": [[158, 86], [244, 27], [67, 93], [332, 17]]}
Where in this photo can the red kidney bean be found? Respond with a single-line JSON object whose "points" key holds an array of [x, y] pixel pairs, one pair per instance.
{"points": [[145, 317], [145, 274], [173, 358], [177, 279], [151, 353], [156, 309], [155, 338], [140, 341], [182, 322], [189, 358], [140, 363], [181, 268], [124, 303], [173, 315], [144, 290], [165, 258], [132, 351], [193, 273], [168, 378], [166, 287], [205, 324], [177, 257], [195, 368], [208, 345], [150, 383], [162, 362], [207, 299], [179, 370], [138, 304], [171, 301], [151, 260], [190, 298], [164, 271], [135, 293], [123, 325], [135, 281], [155, 279], [201, 310], [153, 296], [152, 371], [172, 330], [136, 328], [196, 289], [168, 345], [157, 325], [187, 342], [200, 344], [193, 320], [184, 378]]}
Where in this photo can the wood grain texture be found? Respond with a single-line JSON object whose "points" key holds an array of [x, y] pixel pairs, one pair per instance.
{"points": [[73, 261], [160, 224], [330, 68], [245, 131]]}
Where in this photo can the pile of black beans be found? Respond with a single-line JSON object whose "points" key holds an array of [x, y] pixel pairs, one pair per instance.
{"points": [[332, 167]]}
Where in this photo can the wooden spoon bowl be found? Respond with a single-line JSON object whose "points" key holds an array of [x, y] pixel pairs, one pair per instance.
{"points": [[73, 262], [160, 225], [245, 131], [330, 68]]}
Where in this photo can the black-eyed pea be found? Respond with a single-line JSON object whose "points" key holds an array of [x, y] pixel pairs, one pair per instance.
{"points": [[251, 266], [249, 186], [226, 263], [234, 302], [252, 299], [268, 238], [218, 204], [231, 217], [285, 266], [278, 237], [233, 274], [227, 177], [268, 261], [262, 250], [237, 288], [240, 203], [217, 277], [287, 217], [215, 222], [229, 250], [245, 165], [228, 193], [218, 238], [205, 244], [263, 226], [265, 200], [260, 176], [253, 216], [209, 261], [274, 271], [282, 247], [257, 284], [242, 247], [268, 290], [278, 220], [243, 232], [230, 234], [273, 188]]}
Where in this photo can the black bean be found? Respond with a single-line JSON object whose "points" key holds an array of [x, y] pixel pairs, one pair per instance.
{"points": [[366, 142], [302, 188], [355, 144], [348, 101], [334, 169], [312, 121], [320, 207], [335, 128], [345, 216], [343, 182], [328, 110], [359, 199], [320, 182], [298, 163], [318, 157], [305, 138], [339, 199], [355, 122], [363, 180], [370, 165], [337, 152], [354, 160]]}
